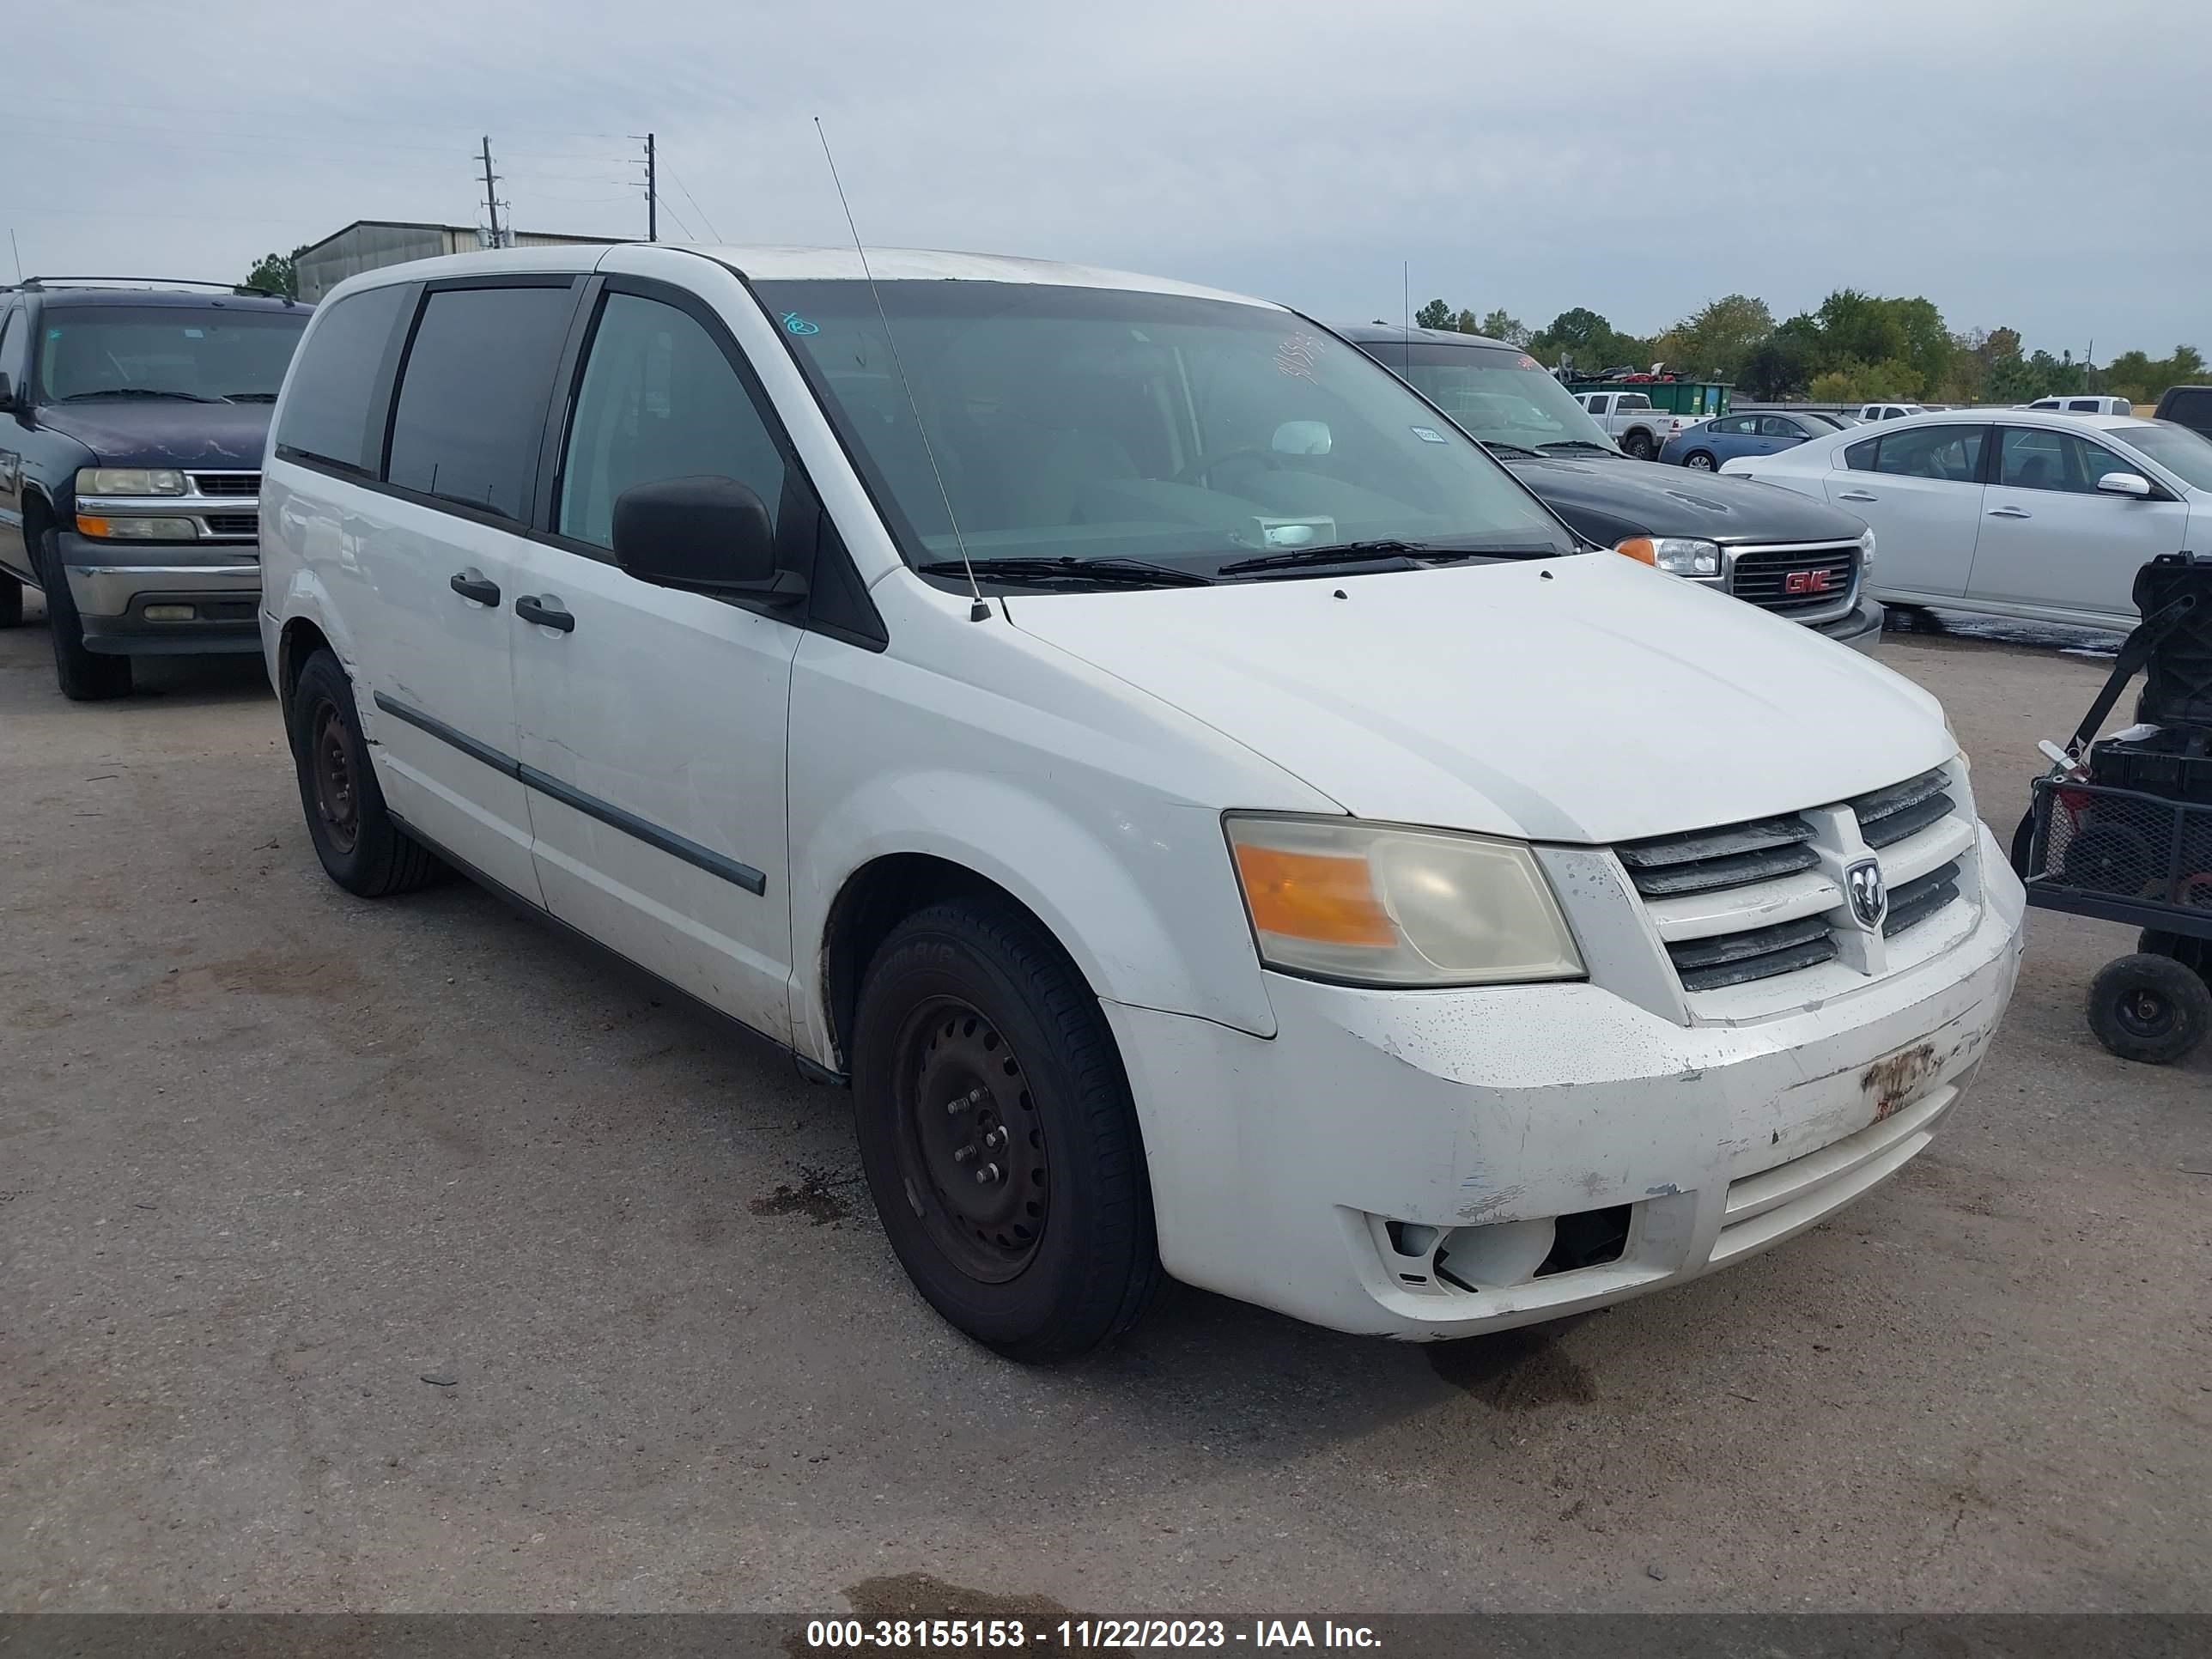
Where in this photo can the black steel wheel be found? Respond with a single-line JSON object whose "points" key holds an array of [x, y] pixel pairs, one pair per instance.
{"points": [[362, 847], [2149, 1008], [997, 1132]]}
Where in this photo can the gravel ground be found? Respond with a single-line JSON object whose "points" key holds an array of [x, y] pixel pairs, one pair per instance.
{"points": [[409, 1255]]}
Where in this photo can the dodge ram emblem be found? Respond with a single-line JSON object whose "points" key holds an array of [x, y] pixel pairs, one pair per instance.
{"points": [[1869, 896]]}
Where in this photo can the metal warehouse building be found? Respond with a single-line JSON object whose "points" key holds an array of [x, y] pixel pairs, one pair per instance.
{"points": [[370, 244]]}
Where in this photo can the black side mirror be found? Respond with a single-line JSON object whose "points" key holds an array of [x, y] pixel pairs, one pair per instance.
{"points": [[705, 535]]}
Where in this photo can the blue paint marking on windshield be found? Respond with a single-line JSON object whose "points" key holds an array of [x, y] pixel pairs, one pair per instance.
{"points": [[795, 324]]}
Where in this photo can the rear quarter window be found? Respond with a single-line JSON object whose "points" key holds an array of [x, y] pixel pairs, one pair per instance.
{"points": [[327, 415], [1859, 456]]}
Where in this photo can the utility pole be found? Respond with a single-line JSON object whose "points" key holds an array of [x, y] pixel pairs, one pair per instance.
{"points": [[491, 201], [651, 194]]}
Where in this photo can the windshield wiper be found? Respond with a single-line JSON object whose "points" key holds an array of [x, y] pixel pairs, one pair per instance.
{"points": [[1416, 554], [1496, 448], [135, 391], [249, 397], [1581, 444], [1097, 573]]}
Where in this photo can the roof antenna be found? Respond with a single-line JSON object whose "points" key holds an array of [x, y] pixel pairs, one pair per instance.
{"points": [[1405, 298], [980, 611]]}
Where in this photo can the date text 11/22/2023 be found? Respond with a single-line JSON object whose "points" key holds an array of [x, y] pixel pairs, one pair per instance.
{"points": [[831, 1635]]}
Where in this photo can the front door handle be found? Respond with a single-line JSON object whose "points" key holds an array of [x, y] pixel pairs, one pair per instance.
{"points": [[1857, 496], [2010, 513], [471, 583], [545, 613]]}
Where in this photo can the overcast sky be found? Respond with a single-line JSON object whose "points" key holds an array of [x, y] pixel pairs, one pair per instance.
{"points": [[2040, 163]]}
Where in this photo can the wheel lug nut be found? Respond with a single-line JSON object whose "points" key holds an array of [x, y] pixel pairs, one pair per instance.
{"points": [[994, 1138], [962, 1154], [963, 1103], [986, 1175]]}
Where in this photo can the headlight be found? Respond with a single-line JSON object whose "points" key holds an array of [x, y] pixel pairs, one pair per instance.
{"points": [[1866, 550], [1678, 556], [129, 481], [1338, 899], [137, 530]]}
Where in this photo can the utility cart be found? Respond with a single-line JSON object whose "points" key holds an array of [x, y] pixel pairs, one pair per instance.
{"points": [[2121, 828]]}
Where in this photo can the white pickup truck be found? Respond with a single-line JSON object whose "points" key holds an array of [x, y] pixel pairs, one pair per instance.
{"points": [[1630, 420]]}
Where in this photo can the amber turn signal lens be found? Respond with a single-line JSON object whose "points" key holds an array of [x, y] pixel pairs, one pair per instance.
{"points": [[1314, 896], [1638, 548], [89, 526]]}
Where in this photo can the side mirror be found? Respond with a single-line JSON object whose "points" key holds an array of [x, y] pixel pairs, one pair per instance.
{"points": [[704, 535], [2133, 485]]}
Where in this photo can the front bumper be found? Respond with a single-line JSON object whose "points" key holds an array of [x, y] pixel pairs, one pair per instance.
{"points": [[1320, 1171], [1861, 629], [114, 583]]}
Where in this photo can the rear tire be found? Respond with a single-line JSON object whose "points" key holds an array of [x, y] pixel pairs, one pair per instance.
{"points": [[2149, 1008], [1638, 444], [363, 850], [1699, 460], [84, 676], [997, 1135]]}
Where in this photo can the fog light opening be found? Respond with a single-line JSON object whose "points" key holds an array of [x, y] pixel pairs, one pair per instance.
{"points": [[169, 613], [1588, 1238]]}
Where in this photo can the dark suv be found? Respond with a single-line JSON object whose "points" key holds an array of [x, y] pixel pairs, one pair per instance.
{"points": [[133, 421], [1798, 558]]}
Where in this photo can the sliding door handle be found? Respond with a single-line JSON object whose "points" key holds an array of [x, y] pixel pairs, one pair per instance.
{"points": [[546, 613], [471, 583]]}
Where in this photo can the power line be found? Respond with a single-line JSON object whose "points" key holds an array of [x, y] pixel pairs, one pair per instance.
{"points": [[695, 207]]}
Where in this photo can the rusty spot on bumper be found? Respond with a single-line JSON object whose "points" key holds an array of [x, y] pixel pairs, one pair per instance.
{"points": [[1898, 1079]]}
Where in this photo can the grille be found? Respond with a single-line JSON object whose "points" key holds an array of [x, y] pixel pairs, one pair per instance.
{"points": [[1773, 578], [233, 524], [1756, 900], [227, 483]]}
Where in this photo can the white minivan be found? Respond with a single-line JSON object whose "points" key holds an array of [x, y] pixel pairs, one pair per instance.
{"points": [[1211, 816]]}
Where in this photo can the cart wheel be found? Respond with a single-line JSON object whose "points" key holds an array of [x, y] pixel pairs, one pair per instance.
{"points": [[2189, 952], [2149, 1008]]}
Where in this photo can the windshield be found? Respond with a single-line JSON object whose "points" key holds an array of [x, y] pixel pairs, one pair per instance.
{"points": [[181, 351], [2185, 453], [1499, 396], [1108, 424]]}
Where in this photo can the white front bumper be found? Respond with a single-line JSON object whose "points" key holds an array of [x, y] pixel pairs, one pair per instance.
{"points": [[1276, 1162]]}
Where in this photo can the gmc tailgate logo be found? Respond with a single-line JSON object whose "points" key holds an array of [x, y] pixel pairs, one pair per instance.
{"points": [[1805, 582]]}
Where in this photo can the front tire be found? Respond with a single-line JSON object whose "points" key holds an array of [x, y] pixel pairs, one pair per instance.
{"points": [[2149, 1008], [1699, 460], [83, 675], [997, 1135], [363, 850]]}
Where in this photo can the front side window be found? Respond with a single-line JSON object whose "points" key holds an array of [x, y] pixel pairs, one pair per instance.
{"points": [[1773, 426], [659, 401], [1087, 424], [327, 415], [91, 352], [470, 412], [1950, 453], [2030, 458]]}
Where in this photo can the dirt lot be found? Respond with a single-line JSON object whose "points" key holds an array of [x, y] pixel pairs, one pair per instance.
{"points": [[272, 1158]]}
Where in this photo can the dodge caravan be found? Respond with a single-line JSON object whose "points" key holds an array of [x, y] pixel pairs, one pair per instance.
{"points": [[1210, 815]]}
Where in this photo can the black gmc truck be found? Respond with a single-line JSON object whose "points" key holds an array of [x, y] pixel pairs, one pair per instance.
{"points": [[132, 419]]}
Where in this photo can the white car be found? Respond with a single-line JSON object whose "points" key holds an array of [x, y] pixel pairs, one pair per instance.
{"points": [[1889, 411], [2011, 511], [2084, 405], [1212, 815]]}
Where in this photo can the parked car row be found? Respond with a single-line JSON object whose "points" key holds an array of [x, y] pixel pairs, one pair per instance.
{"points": [[1705, 445], [1211, 813], [2020, 512]]}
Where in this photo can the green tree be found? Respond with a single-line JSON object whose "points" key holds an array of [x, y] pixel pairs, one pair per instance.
{"points": [[1435, 314], [1467, 322], [1716, 339], [277, 273], [1585, 337], [1772, 369], [1498, 326]]}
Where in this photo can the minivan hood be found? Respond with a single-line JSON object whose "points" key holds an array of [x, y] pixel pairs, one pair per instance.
{"points": [[1580, 699], [165, 432], [1671, 500]]}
